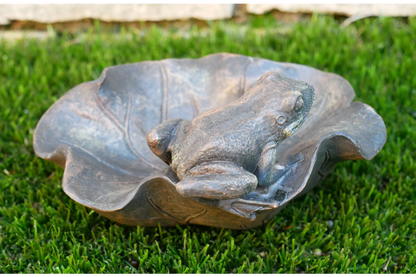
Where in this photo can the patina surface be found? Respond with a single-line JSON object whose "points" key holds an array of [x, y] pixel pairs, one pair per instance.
{"points": [[227, 152], [239, 175]]}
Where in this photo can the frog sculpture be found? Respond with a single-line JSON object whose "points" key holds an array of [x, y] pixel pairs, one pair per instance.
{"points": [[225, 153], [224, 140]]}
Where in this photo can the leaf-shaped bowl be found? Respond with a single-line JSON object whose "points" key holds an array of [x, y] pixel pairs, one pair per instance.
{"points": [[97, 133]]}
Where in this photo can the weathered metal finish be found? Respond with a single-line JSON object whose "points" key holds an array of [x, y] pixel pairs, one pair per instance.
{"points": [[238, 175], [227, 152]]}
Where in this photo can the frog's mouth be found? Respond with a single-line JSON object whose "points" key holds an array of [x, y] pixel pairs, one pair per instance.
{"points": [[294, 126]]}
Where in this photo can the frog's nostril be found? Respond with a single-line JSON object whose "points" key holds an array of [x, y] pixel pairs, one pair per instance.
{"points": [[309, 96]]}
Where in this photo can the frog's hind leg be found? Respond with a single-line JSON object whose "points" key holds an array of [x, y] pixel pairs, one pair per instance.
{"points": [[217, 180], [160, 138]]}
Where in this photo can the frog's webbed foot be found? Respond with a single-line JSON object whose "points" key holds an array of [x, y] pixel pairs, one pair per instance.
{"points": [[225, 182], [217, 180], [279, 173], [246, 208], [160, 137]]}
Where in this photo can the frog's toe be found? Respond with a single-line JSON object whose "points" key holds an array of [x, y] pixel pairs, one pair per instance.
{"points": [[246, 208]]}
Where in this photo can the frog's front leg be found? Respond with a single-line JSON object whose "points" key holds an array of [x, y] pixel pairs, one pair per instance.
{"points": [[267, 170], [217, 180]]}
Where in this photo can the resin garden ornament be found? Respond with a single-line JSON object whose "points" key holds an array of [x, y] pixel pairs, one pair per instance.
{"points": [[225, 140]]}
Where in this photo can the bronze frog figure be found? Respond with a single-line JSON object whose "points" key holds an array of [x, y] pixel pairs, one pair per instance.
{"points": [[98, 133], [226, 152]]}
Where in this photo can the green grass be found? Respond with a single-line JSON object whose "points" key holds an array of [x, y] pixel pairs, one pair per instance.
{"points": [[372, 204]]}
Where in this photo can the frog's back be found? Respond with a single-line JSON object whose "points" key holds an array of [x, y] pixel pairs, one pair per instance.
{"points": [[239, 131], [218, 137]]}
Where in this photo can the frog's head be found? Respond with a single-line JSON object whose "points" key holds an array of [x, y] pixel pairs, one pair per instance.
{"points": [[284, 101]]}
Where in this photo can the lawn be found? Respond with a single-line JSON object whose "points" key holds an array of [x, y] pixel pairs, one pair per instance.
{"points": [[360, 219]]}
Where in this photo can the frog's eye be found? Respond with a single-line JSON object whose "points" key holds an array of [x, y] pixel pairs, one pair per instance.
{"points": [[281, 120], [298, 104]]}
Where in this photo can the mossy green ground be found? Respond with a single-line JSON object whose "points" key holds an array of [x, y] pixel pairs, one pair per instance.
{"points": [[371, 203]]}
